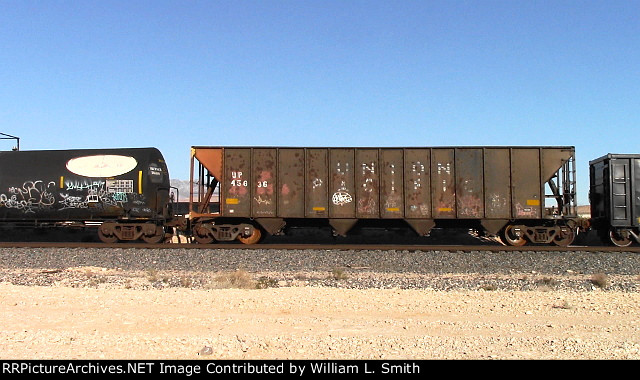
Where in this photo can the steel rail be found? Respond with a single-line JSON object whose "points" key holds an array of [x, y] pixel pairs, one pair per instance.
{"points": [[297, 246]]}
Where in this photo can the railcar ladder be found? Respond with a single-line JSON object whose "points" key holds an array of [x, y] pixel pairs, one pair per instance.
{"points": [[565, 190], [569, 184]]}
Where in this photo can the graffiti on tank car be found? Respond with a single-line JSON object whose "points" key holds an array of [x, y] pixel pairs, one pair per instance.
{"points": [[120, 197], [138, 199], [72, 201], [33, 195], [83, 185], [98, 192], [136, 210], [38, 195]]}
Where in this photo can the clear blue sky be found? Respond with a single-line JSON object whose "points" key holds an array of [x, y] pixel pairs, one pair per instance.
{"points": [[172, 74]]}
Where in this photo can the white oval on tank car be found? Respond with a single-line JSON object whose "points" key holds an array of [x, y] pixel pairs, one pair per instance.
{"points": [[104, 165]]}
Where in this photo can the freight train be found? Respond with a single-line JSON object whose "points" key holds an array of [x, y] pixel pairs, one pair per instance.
{"points": [[521, 194]]}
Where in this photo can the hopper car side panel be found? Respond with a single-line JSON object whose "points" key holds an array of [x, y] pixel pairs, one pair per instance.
{"points": [[290, 186], [480, 187]]}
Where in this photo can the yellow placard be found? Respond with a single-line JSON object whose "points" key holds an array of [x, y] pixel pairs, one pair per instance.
{"points": [[445, 209], [233, 201], [393, 209], [533, 202], [319, 209]]}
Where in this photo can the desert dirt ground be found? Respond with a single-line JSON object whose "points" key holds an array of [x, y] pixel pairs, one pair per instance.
{"points": [[305, 322]]}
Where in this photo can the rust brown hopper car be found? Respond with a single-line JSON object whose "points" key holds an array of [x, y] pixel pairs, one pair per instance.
{"points": [[524, 194]]}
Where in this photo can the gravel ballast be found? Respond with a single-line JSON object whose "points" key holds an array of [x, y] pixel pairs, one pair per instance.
{"points": [[317, 304], [437, 270]]}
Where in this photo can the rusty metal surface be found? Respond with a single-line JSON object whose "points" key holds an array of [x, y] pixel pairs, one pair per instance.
{"points": [[416, 184], [391, 190], [443, 186], [291, 183], [469, 183], [236, 183], [526, 185], [497, 176], [264, 202], [368, 184], [316, 183], [341, 183]]}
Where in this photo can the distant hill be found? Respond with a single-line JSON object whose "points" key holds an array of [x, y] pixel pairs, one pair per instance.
{"points": [[584, 211], [183, 189]]}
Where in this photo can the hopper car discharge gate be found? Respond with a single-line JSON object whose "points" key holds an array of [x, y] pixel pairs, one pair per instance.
{"points": [[523, 194]]}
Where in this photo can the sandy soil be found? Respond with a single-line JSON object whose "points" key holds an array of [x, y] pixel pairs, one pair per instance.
{"points": [[303, 322]]}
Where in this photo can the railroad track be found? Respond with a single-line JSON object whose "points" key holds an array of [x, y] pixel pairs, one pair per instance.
{"points": [[322, 246]]}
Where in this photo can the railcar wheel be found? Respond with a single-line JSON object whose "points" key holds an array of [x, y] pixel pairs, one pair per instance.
{"points": [[202, 235], [251, 239], [203, 239], [511, 237], [156, 238], [105, 238], [619, 239], [564, 239]]}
